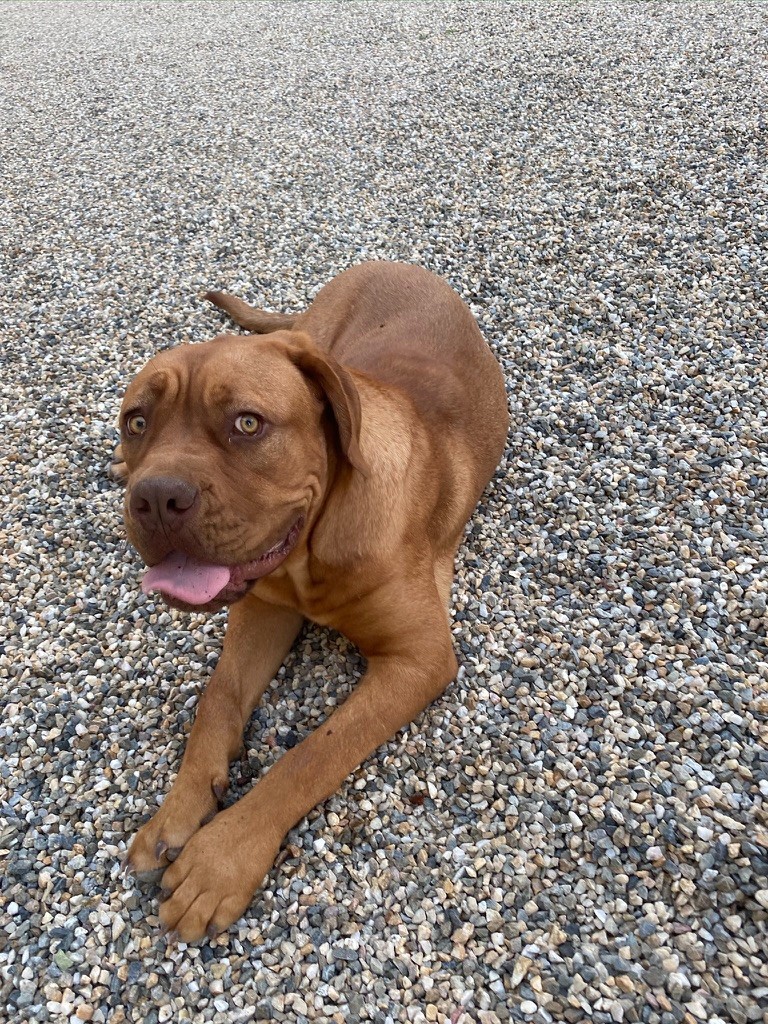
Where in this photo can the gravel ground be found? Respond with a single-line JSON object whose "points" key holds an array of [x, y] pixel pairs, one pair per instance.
{"points": [[577, 829]]}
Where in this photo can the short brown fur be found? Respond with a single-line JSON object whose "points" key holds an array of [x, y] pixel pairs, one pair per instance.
{"points": [[387, 417]]}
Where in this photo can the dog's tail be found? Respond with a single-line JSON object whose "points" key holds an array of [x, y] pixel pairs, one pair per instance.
{"points": [[252, 319]]}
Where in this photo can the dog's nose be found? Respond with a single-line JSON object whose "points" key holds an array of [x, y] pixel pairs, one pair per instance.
{"points": [[163, 501]]}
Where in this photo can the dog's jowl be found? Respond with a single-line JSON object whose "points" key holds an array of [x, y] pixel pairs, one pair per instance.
{"points": [[322, 467]]}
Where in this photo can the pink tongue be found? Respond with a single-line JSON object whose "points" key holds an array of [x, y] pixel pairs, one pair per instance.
{"points": [[186, 579]]}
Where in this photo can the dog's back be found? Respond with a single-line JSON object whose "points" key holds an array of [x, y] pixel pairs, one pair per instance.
{"points": [[405, 327]]}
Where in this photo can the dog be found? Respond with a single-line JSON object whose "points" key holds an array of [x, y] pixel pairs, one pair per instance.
{"points": [[322, 467]]}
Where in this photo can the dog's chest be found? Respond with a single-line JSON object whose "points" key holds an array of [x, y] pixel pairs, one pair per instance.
{"points": [[312, 595]]}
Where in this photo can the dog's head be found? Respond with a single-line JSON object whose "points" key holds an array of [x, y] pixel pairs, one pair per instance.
{"points": [[226, 446]]}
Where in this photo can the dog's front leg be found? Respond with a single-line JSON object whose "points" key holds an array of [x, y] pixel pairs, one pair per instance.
{"points": [[213, 880], [258, 638]]}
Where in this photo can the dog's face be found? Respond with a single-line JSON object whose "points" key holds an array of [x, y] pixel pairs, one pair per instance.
{"points": [[226, 447]]}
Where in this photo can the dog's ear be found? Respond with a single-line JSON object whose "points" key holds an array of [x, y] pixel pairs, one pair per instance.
{"points": [[339, 388]]}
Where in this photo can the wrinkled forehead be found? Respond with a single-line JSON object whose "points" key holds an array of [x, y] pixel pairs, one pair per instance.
{"points": [[231, 371]]}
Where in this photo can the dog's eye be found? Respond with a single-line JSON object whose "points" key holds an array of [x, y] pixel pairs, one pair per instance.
{"points": [[135, 423], [248, 423]]}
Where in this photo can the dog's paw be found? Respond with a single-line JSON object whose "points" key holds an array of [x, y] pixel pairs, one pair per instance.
{"points": [[214, 878], [118, 471], [189, 805]]}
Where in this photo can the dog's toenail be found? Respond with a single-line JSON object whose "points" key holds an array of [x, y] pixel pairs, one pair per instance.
{"points": [[160, 849]]}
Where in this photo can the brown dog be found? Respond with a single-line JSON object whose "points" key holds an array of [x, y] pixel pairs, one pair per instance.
{"points": [[324, 471]]}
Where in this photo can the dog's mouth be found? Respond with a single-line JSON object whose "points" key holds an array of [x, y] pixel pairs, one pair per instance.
{"points": [[189, 582]]}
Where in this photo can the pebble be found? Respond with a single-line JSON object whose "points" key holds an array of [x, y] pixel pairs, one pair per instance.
{"points": [[575, 829], [519, 971]]}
